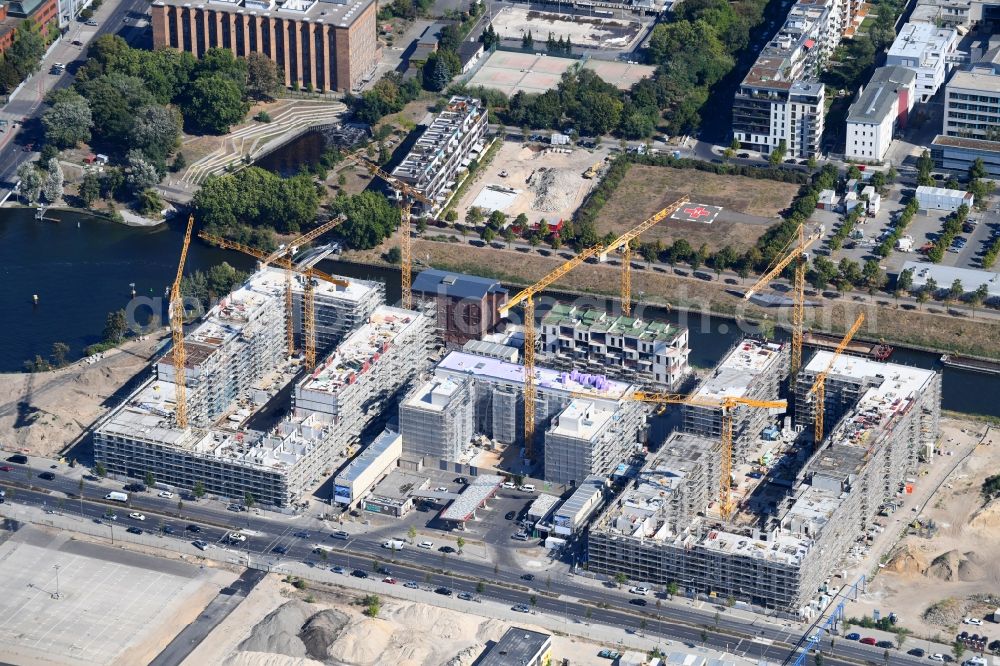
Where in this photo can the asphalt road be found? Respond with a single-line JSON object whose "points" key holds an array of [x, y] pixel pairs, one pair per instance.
{"points": [[216, 611], [121, 20], [559, 596]]}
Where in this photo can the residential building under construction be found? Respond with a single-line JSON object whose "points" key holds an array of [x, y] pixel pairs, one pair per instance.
{"points": [[236, 377], [650, 353], [752, 369], [779, 554], [589, 438]]}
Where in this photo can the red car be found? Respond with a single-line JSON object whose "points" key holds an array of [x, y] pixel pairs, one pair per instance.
{"points": [[6, 468], [868, 640]]}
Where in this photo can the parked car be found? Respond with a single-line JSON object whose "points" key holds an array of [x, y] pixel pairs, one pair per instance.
{"points": [[18, 459], [200, 545], [521, 608], [166, 494], [528, 577], [974, 621], [47, 476], [916, 652], [466, 596], [358, 573], [609, 654], [446, 549], [510, 515], [6, 468], [134, 530], [92, 23], [885, 644], [338, 570], [937, 656], [507, 484], [410, 584], [444, 591], [390, 580], [868, 640], [426, 545]]}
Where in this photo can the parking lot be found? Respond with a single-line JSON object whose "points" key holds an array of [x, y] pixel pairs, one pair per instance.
{"points": [[72, 602]]}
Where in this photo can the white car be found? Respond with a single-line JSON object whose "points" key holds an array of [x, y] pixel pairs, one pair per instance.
{"points": [[527, 488], [165, 493], [937, 656], [640, 590], [237, 537], [426, 545], [508, 485], [136, 516], [974, 621]]}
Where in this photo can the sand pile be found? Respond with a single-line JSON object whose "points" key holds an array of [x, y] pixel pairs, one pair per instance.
{"points": [[956, 566], [907, 560], [321, 631], [554, 189], [278, 633], [987, 519]]}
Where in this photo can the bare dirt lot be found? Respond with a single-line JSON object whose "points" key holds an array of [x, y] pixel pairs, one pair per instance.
{"points": [[549, 183], [647, 189], [42, 413], [934, 578], [515, 22]]}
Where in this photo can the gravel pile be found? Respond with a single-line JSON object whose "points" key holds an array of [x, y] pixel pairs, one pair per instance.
{"points": [[554, 189]]}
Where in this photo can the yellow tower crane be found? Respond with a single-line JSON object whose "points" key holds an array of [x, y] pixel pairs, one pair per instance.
{"points": [[726, 405], [308, 303], [625, 243], [176, 308], [526, 299], [796, 254], [407, 195], [818, 389]]}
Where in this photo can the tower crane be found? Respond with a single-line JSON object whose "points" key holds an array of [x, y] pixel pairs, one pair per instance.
{"points": [[526, 299], [726, 405], [818, 389], [796, 254], [625, 242], [176, 308], [281, 258], [407, 194]]}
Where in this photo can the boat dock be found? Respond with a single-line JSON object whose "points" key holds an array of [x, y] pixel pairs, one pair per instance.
{"points": [[973, 364], [875, 350]]}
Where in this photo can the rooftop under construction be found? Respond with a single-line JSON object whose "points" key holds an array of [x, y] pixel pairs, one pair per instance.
{"points": [[236, 367], [805, 514]]}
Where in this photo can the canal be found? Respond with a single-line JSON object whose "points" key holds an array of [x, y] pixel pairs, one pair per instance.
{"points": [[83, 267]]}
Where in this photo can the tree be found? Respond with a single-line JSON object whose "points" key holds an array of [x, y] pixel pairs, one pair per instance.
{"points": [[509, 237], [958, 649], [214, 104], [155, 132], [412, 533], [436, 73], [248, 500], [372, 605], [904, 281], [263, 81], [672, 589], [923, 296], [527, 41], [31, 182], [978, 297], [114, 99], [901, 637], [956, 290], [52, 186], [115, 327], [533, 600], [704, 636], [480, 587], [818, 659], [68, 122], [141, 173], [90, 189], [100, 470], [370, 218], [150, 203], [199, 490], [778, 154], [620, 579], [394, 255], [460, 542]]}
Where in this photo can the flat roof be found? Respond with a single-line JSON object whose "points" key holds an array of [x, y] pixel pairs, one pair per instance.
{"points": [[434, 395], [739, 369], [517, 646], [455, 285], [582, 419], [980, 80], [981, 145], [315, 11], [922, 41], [971, 278], [585, 491], [543, 505], [367, 457], [480, 489], [361, 349], [546, 379], [398, 484], [876, 101], [599, 321]]}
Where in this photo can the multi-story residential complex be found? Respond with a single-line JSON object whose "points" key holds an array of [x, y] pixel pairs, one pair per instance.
{"points": [[927, 50], [888, 415], [971, 118], [442, 154], [235, 366], [588, 439], [337, 310], [466, 305], [780, 101], [651, 353], [753, 369], [318, 44], [880, 109], [437, 419]]}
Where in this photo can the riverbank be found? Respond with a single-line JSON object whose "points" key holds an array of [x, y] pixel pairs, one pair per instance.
{"points": [[45, 413], [128, 218], [927, 330]]}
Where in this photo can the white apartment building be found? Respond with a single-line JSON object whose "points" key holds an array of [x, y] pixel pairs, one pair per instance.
{"points": [[879, 110], [652, 353], [926, 49], [780, 101], [436, 162], [971, 128]]}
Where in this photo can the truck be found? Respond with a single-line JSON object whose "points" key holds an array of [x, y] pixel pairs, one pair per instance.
{"points": [[117, 496]]}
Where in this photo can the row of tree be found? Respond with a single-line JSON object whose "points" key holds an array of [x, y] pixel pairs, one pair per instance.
{"points": [[23, 57]]}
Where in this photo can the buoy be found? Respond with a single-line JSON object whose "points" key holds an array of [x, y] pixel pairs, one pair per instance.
{"points": [[34, 298], [77, 225]]}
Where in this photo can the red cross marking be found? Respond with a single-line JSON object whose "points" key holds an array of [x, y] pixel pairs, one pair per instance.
{"points": [[696, 212]]}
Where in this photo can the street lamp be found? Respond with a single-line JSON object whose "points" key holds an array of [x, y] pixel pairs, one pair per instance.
{"points": [[56, 595]]}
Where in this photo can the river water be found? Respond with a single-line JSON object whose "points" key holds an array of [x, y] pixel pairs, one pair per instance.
{"points": [[81, 268]]}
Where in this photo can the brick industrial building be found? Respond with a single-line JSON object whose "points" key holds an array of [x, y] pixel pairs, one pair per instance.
{"points": [[328, 45]]}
